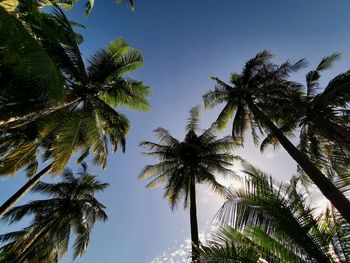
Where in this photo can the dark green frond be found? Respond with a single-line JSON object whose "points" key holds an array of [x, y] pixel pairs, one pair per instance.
{"points": [[327, 62], [25, 59]]}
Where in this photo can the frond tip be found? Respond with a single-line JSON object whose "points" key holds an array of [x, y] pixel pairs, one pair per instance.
{"points": [[194, 119]]}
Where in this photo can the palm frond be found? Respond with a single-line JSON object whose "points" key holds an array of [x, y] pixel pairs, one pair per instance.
{"points": [[266, 207], [225, 115], [23, 156], [68, 141], [126, 92], [327, 62], [26, 59], [193, 120], [336, 93]]}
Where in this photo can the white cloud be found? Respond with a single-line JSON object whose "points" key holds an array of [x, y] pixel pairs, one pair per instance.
{"points": [[178, 254]]}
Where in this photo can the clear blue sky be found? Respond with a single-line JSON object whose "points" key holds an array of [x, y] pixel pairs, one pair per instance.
{"points": [[184, 42]]}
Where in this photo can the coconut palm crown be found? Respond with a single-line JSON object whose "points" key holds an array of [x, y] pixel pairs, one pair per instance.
{"points": [[183, 164]]}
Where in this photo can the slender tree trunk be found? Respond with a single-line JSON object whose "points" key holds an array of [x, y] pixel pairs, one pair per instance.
{"points": [[328, 189], [194, 223], [23, 190]]}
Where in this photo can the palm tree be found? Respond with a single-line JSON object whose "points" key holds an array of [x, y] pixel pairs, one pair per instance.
{"points": [[277, 224], [106, 69], [323, 113], [84, 120], [184, 164], [323, 119], [254, 94], [322, 116], [71, 208]]}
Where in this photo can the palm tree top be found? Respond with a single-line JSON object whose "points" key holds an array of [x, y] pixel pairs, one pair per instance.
{"points": [[78, 188], [335, 94], [198, 156], [261, 82]]}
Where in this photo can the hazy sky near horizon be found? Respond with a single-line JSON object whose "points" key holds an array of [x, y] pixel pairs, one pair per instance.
{"points": [[184, 42]]}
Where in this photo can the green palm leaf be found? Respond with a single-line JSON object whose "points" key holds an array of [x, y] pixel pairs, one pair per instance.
{"points": [[23, 156], [26, 59]]}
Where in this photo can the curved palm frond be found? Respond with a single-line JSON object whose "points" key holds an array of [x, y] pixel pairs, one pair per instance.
{"points": [[279, 222]]}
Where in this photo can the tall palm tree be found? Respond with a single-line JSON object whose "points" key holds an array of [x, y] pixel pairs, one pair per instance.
{"points": [[322, 116], [323, 112], [183, 164], [71, 208], [323, 121], [84, 120], [277, 223], [255, 93]]}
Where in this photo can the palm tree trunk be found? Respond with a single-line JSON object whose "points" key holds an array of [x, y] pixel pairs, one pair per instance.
{"points": [[23, 190], [194, 223], [328, 189]]}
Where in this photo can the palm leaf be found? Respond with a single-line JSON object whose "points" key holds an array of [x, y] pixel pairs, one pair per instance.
{"points": [[194, 119], [27, 59], [68, 141], [23, 156]]}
